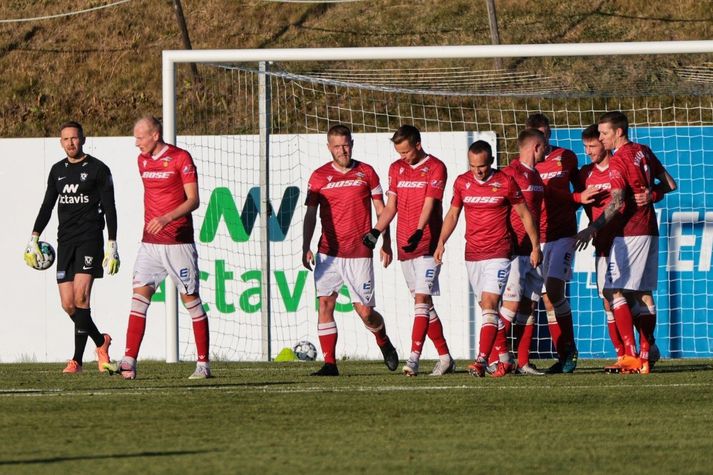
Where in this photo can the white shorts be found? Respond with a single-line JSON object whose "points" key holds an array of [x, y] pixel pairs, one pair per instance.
{"points": [[330, 273], [557, 259], [601, 266], [524, 280], [421, 274], [156, 261], [633, 263], [489, 275]]}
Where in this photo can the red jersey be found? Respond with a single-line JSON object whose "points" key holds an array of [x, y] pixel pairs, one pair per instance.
{"points": [[488, 234], [558, 218], [412, 184], [344, 200], [164, 176], [598, 177], [533, 191], [633, 169]]}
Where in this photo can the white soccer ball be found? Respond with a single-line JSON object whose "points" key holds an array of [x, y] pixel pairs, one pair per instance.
{"points": [[305, 351], [47, 251]]}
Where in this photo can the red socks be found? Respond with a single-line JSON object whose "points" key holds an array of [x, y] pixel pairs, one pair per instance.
{"points": [[327, 333]]}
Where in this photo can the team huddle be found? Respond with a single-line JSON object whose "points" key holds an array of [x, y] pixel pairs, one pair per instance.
{"points": [[520, 239]]}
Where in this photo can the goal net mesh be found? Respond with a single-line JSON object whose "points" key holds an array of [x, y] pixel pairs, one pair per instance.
{"points": [[667, 99]]}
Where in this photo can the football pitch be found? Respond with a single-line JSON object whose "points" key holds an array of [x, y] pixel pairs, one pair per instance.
{"points": [[274, 418]]}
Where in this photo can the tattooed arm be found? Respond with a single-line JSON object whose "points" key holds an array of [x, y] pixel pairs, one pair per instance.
{"points": [[615, 206]]}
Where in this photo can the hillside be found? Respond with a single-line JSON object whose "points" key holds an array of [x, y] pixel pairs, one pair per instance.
{"points": [[104, 68]]}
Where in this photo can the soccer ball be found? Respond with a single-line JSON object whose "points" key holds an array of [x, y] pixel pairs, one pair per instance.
{"points": [[305, 351], [47, 251]]}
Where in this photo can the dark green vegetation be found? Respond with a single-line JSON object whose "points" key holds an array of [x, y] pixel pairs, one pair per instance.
{"points": [[273, 418], [103, 68]]}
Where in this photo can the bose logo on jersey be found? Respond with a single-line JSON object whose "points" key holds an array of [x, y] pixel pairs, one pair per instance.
{"points": [[344, 183], [534, 188], [160, 175], [549, 175], [482, 199], [412, 184]]}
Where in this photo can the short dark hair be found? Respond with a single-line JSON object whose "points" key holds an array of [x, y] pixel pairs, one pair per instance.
{"points": [[407, 132], [535, 121], [480, 146], [591, 132], [529, 134], [339, 130], [617, 120], [71, 124]]}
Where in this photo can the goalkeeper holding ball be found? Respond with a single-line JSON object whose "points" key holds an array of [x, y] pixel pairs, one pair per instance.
{"points": [[84, 188]]}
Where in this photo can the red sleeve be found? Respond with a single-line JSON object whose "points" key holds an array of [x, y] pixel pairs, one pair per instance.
{"points": [[514, 192], [457, 200], [373, 179], [393, 179], [313, 188], [657, 169], [617, 174], [187, 169], [437, 182]]}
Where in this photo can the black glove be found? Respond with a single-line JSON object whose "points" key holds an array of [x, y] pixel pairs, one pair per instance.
{"points": [[413, 241], [371, 238]]}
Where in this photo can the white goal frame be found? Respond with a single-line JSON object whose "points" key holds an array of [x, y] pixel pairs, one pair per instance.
{"points": [[264, 56]]}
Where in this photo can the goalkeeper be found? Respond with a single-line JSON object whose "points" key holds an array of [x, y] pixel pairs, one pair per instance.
{"points": [[84, 188]]}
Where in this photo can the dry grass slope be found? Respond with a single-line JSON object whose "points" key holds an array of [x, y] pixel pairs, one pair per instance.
{"points": [[103, 68]]}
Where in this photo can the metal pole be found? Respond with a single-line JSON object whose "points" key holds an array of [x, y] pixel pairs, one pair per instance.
{"points": [[169, 136], [494, 34], [264, 125], [186, 38]]}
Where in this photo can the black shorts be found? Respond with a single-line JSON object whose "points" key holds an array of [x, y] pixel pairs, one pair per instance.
{"points": [[82, 258]]}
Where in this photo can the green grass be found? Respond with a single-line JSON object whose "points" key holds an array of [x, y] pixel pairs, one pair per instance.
{"points": [[259, 417]]}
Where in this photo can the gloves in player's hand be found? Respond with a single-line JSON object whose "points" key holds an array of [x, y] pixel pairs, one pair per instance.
{"points": [[413, 241], [111, 258], [371, 238], [33, 254]]}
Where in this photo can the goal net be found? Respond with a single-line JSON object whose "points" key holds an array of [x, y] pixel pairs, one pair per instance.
{"points": [[667, 98]]}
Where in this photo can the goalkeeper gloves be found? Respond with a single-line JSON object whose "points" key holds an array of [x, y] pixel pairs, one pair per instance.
{"points": [[111, 258], [371, 238], [33, 254], [413, 241]]}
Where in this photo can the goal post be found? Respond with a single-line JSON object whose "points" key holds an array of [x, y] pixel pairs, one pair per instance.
{"points": [[317, 100]]}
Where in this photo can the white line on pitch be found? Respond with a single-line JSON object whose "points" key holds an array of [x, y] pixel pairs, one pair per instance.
{"points": [[38, 392]]}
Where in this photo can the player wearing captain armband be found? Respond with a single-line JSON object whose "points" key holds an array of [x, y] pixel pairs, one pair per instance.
{"points": [[83, 187], [416, 184], [342, 191], [167, 247], [632, 265], [558, 225], [487, 196]]}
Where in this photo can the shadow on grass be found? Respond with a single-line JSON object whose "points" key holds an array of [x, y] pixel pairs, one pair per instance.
{"points": [[122, 455]]}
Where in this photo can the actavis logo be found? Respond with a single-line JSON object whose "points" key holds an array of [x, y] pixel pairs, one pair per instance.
{"points": [[240, 225]]}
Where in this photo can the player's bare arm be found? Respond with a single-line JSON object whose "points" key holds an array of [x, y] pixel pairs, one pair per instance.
{"points": [[449, 225], [532, 230], [310, 222], [386, 254], [189, 205], [615, 206], [589, 195], [666, 184]]}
